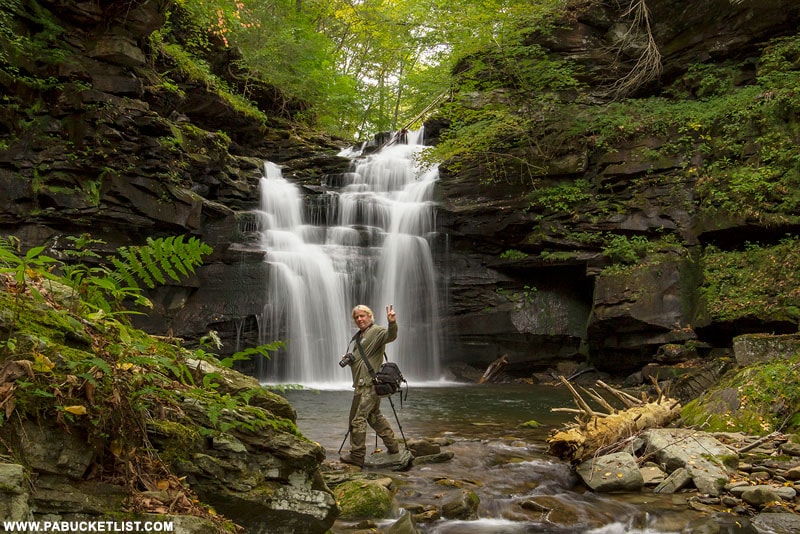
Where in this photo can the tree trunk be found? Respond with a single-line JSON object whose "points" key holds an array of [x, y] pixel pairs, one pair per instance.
{"points": [[598, 432]]}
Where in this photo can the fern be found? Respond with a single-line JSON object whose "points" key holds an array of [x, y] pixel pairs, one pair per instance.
{"points": [[158, 260], [102, 290], [245, 354]]}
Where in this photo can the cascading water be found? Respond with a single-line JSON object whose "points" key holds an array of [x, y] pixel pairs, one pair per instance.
{"points": [[369, 244]]}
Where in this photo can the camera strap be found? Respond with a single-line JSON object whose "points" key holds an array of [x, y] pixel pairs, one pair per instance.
{"points": [[357, 339]]}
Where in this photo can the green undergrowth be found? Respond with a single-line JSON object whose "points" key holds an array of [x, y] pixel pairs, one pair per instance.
{"points": [[199, 71], [758, 399], [734, 146], [760, 281], [69, 358]]}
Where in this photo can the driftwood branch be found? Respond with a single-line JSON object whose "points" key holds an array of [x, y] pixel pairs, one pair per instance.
{"points": [[599, 400], [759, 441], [628, 400], [577, 411], [578, 399], [596, 431], [494, 369]]}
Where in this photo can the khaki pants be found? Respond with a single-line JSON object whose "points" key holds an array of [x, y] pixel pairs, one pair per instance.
{"points": [[366, 410]]}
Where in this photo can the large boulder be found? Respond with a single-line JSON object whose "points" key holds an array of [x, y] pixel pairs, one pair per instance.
{"points": [[649, 305], [260, 472], [752, 349], [365, 498], [611, 472], [707, 461]]}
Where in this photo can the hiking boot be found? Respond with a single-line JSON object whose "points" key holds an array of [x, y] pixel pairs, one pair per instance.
{"points": [[348, 458], [393, 449]]}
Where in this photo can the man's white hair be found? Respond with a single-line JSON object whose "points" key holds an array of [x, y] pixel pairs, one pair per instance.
{"points": [[365, 309]]}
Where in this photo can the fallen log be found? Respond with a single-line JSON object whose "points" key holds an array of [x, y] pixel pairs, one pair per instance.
{"points": [[596, 431], [494, 369]]}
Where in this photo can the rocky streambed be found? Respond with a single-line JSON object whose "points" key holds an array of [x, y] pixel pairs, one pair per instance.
{"points": [[490, 474]]}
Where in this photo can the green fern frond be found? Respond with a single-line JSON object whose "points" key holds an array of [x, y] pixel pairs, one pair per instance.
{"points": [[160, 258], [122, 274], [176, 263], [164, 258], [130, 261], [194, 250], [146, 253]]}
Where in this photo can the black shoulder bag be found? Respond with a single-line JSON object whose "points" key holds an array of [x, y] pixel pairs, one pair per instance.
{"points": [[388, 380]]}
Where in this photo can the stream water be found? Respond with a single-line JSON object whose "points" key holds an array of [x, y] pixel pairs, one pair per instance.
{"points": [[505, 464]]}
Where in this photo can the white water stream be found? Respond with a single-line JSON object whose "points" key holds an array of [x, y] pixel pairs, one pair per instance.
{"points": [[369, 244]]}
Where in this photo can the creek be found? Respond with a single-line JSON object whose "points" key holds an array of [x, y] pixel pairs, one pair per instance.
{"points": [[506, 464]]}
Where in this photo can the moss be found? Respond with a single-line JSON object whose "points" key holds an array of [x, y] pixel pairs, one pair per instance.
{"points": [[266, 419], [253, 418], [731, 461], [531, 424], [179, 439], [759, 281], [360, 499], [757, 400]]}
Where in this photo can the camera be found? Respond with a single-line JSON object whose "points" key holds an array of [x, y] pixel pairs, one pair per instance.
{"points": [[347, 359]]}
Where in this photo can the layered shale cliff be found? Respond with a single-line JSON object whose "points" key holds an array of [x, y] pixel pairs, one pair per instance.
{"points": [[103, 132], [597, 234]]}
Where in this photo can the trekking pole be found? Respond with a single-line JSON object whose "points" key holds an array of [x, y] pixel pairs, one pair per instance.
{"points": [[405, 444], [343, 441]]}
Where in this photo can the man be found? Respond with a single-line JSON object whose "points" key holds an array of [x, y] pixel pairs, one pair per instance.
{"points": [[366, 406]]}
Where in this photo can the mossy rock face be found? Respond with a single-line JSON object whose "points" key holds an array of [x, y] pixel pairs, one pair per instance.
{"points": [[758, 399], [359, 499]]}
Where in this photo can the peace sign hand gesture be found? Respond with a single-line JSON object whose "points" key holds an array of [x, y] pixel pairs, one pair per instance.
{"points": [[391, 316]]}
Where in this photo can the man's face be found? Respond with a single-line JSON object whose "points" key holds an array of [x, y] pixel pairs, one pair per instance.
{"points": [[362, 319]]}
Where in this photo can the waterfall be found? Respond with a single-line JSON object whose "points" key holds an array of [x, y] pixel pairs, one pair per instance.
{"points": [[364, 240]]}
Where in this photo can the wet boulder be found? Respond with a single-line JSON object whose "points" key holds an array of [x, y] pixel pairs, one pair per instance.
{"points": [[777, 522], [363, 498], [442, 457], [429, 451], [385, 460], [612, 472], [464, 506], [706, 460], [761, 495], [423, 447], [404, 525]]}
